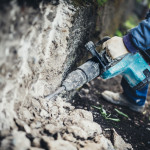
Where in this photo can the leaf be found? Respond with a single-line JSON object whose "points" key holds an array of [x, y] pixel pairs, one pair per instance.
{"points": [[113, 119], [104, 113], [97, 107], [121, 113]]}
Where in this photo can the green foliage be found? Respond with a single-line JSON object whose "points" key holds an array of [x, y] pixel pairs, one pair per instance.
{"points": [[105, 114], [101, 2], [121, 113], [119, 33], [131, 22]]}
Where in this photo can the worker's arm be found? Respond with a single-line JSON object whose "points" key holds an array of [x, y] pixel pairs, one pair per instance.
{"points": [[139, 37]]}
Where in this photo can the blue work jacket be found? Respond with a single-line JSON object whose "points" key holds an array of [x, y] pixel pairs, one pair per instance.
{"points": [[139, 37]]}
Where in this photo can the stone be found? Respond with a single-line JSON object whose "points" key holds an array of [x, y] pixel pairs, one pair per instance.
{"points": [[69, 137], [17, 141], [36, 105], [77, 132], [36, 142], [6, 143], [20, 141], [36, 132], [83, 114], [44, 113], [44, 104], [91, 128], [81, 143], [98, 146], [26, 115], [36, 148], [23, 126], [53, 129], [119, 143], [36, 124], [61, 145], [54, 112]]}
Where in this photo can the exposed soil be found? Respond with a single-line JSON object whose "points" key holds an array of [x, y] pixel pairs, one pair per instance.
{"points": [[134, 130]]}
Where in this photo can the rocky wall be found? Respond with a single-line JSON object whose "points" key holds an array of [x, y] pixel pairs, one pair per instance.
{"points": [[40, 44]]}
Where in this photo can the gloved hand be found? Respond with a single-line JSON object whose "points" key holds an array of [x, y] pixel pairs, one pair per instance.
{"points": [[115, 47]]}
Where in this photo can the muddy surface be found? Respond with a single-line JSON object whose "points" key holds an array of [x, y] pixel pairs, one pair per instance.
{"points": [[135, 129]]}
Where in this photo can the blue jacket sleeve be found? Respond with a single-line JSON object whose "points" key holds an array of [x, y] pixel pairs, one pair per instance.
{"points": [[139, 37]]}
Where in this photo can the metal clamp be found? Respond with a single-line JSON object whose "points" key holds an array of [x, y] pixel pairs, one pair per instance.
{"points": [[91, 47]]}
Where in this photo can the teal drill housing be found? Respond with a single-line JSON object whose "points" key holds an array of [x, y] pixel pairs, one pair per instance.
{"points": [[133, 68]]}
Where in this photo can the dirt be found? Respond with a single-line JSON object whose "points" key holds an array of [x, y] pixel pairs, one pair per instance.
{"points": [[135, 129]]}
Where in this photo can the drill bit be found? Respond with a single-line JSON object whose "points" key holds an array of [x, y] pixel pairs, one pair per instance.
{"points": [[60, 90]]}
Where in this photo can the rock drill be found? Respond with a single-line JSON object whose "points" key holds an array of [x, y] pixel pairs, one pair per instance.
{"points": [[132, 67]]}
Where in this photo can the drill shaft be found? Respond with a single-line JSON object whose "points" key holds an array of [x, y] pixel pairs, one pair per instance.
{"points": [[83, 74], [50, 96]]}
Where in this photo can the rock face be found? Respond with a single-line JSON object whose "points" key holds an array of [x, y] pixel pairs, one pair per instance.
{"points": [[39, 46]]}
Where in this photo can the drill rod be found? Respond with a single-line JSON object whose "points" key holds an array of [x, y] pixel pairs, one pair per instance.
{"points": [[60, 90]]}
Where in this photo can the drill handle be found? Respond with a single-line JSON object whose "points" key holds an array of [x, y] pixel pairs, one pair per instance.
{"points": [[91, 47], [104, 39]]}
